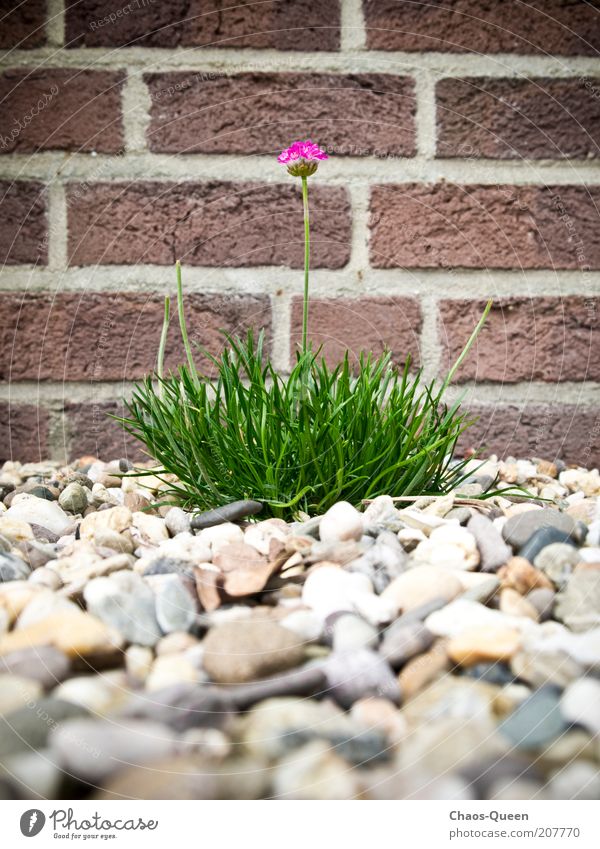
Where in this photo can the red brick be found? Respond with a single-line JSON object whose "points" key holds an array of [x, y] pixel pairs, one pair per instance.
{"points": [[22, 24], [358, 114], [23, 224], [289, 25], [90, 431], [549, 339], [60, 109], [569, 433], [361, 324], [446, 225], [23, 432], [99, 336], [215, 224], [511, 119], [563, 27]]}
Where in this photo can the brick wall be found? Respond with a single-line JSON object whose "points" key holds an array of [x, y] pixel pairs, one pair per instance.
{"points": [[464, 140]]}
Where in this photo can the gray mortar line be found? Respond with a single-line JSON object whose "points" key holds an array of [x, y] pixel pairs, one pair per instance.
{"points": [[353, 34], [343, 170], [55, 23], [57, 227], [231, 60], [281, 325], [429, 347], [136, 105], [426, 130]]}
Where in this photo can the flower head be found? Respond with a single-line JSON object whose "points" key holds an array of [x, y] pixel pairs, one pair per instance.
{"points": [[302, 158]]}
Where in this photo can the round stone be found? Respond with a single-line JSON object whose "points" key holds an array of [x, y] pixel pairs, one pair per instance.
{"points": [[340, 523], [557, 561], [421, 585], [73, 498], [580, 704]]}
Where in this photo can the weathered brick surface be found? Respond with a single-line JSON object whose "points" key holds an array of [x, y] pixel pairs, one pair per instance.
{"points": [[549, 339], [60, 109], [358, 115], [361, 324], [570, 433], [22, 24], [101, 336], [23, 224], [216, 224], [23, 432], [563, 27], [447, 225], [287, 25], [514, 119], [90, 430]]}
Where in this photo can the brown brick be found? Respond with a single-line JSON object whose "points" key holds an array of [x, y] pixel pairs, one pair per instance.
{"points": [[549, 339], [215, 224], [511, 119], [90, 431], [60, 109], [361, 324], [359, 114], [563, 27], [99, 336], [447, 225], [287, 25], [23, 432], [23, 225], [570, 433], [22, 24]]}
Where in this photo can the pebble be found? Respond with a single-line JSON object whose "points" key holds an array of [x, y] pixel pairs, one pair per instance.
{"points": [[14, 530], [138, 663], [421, 670], [176, 609], [172, 669], [352, 632], [16, 692], [543, 538], [557, 561], [512, 603], [580, 704], [543, 601], [75, 634], [580, 780], [177, 521], [340, 523], [536, 722], [125, 603], [73, 498], [420, 585], [93, 749], [12, 568], [518, 530], [493, 551], [234, 512], [450, 546], [578, 605], [152, 529], [237, 652], [29, 727], [330, 589], [484, 644], [117, 519], [352, 675], [33, 510], [403, 641], [463, 614], [45, 664], [314, 772], [519, 574], [98, 694]]}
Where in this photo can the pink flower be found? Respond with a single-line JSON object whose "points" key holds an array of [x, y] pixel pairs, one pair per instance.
{"points": [[302, 158]]}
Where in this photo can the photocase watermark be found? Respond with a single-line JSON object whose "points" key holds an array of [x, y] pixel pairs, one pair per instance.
{"points": [[96, 826], [578, 247], [113, 17], [591, 87], [22, 123], [188, 82]]}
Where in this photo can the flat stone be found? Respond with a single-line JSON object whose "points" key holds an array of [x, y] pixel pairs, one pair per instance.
{"points": [[176, 609], [234, 512], [542, 538], [29, 727], [236, 652], [580, 704], [578, 605], [352, 675], [12, 568], [481, 591], [536, 722], [519, 574], [493, 551], [93, 749], [518, 529], [461, 614], [557, 561], [541, 668], [75, 634], [420, 585], [403, 641], [125, 604], [484, 644], [246, 570], [352, 632], [45, 664], [28, 508]]}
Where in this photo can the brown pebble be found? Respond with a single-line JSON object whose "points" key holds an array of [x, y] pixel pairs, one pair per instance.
{"points": [[513, 603], [423, 669], [520, 575], [545, 467], [484, 645]]}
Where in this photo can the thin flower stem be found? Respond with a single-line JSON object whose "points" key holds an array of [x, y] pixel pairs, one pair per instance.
{"points": [[182, 325], [306, 263]]}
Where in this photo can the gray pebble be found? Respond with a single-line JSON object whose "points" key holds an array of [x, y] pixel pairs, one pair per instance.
{"points": [[536, 721], [402, 641], [518, 529], [45, 664], [12, 568], [177, 521], [541, 539], [234, 512], [353, 675], [494, 552]]}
